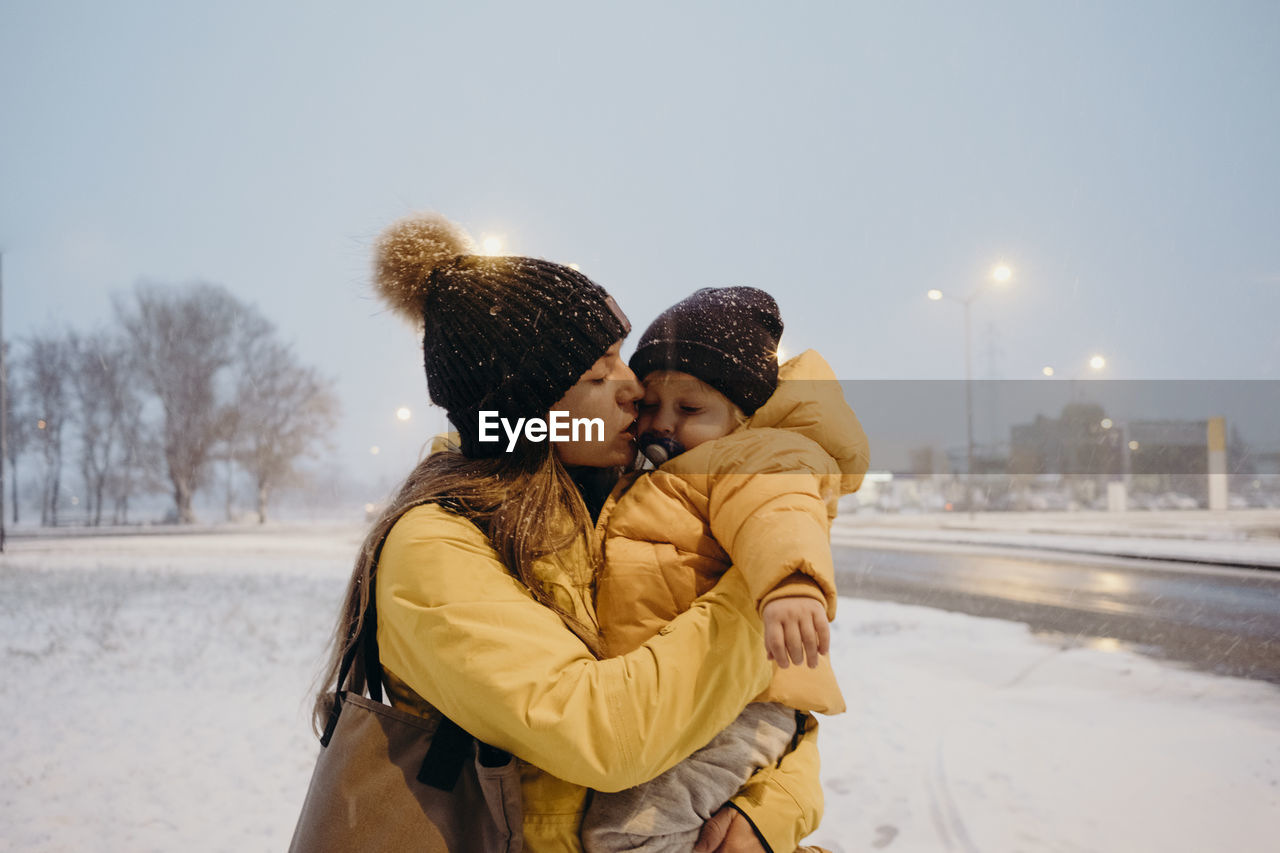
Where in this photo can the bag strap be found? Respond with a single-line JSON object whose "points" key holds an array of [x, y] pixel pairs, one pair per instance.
{"points": [[369, 639], [450, 745], [449, 750]]}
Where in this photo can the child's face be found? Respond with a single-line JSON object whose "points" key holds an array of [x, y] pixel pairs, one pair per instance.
{"points": [[683, 407]]}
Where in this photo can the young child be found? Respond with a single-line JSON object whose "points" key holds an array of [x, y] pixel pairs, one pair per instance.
{"points": [[750, 469]]}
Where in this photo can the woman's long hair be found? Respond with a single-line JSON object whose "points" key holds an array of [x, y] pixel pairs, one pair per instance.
{"points": [[525, 502]]}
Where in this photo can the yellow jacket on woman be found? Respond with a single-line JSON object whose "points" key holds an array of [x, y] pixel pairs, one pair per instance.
{"points": [[761, 498], [459, 635]]}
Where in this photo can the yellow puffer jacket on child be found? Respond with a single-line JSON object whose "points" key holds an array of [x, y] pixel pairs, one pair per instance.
{"points": [[762, 497]]}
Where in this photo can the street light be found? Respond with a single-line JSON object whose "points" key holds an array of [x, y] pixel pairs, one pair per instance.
{"points": [[1097, 363], [1000, 274]]}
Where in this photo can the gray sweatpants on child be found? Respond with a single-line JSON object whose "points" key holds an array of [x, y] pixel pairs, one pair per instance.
{"points": [[665, 814]]}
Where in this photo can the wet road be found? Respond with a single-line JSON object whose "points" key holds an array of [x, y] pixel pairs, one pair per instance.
{"points": [[1221, 620]]}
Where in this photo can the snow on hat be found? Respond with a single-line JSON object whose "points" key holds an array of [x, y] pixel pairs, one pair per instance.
{"points": [[726, 336], [504, 334]]}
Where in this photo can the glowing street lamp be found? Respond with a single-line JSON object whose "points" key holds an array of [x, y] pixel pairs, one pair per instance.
{"points": [[403, 413], [1095, 363], [1000, 274]]}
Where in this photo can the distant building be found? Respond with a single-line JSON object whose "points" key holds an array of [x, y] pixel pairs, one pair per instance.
{"points": [[1075, 443], [927, 461], [1169, 456], [1156, 456], [1265, 463]]}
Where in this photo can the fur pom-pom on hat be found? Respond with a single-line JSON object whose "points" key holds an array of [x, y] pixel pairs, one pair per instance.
{"points": [[507, 334], [406, 254]]}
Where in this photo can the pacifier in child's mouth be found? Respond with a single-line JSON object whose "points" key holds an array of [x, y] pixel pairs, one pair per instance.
{"points": [[659, 448]]}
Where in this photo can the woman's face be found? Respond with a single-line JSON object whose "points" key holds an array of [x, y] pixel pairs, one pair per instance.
{"points": [[608, 391]]}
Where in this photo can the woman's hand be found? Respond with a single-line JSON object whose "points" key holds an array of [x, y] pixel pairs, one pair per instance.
{"points": [[728, 832]]}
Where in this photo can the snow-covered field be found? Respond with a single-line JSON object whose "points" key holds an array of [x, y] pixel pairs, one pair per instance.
{"points": [[156, 695]]}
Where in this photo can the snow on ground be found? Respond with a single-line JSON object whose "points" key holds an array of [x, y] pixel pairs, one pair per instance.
{"points": [[971, 734], [157, 697], [1242, 537], [1256, 554]]}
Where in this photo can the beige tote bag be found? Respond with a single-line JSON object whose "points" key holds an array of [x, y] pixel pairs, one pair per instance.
{"points": [[388, 780]]}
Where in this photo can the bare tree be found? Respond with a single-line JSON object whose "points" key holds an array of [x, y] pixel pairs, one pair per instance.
{"points": [[21, 425], [227, 456], [182, 340], [138, 468], [254, 335], [284, 411], [44, 368], [102, 399]]}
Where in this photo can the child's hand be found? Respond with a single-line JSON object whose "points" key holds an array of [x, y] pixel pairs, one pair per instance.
{"points": [[795, 629]]}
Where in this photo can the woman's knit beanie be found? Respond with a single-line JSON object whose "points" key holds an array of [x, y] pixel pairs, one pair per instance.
{"points": [[503, 334], [726, 336]]}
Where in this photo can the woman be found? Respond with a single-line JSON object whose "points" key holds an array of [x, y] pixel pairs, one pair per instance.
{"points": [[485, 561]]}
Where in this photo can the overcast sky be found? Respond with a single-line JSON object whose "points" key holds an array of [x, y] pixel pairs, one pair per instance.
{"points": [[1120, 157]]}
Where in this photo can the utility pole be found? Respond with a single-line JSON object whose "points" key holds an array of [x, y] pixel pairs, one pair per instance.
{"points": [[969, 479], [999, 275], [4, 403]]}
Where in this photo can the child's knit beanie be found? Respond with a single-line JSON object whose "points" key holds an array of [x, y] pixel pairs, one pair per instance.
{"points": [[725, 336], [503, 334]]}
